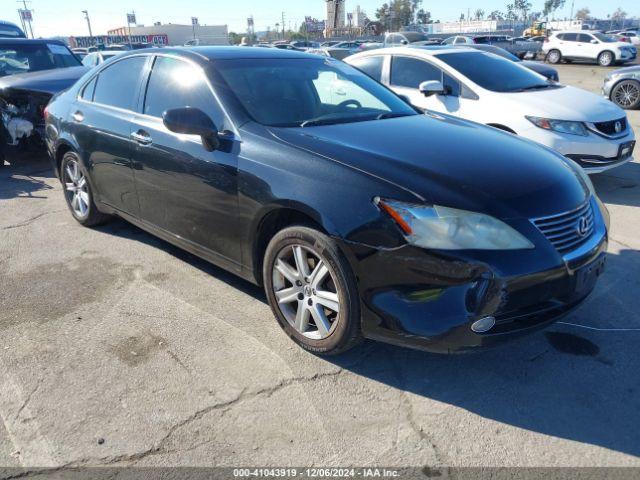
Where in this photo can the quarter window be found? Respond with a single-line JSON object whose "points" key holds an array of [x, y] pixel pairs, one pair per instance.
{"points": [[176, 84], [118, 84], [87, 91], [372, 66], [411, 72]]}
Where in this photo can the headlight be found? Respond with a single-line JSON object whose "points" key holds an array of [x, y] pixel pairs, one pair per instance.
{"points": [[446, 228], [561, 126]]}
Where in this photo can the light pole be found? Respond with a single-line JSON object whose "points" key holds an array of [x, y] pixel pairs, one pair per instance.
{"points": [[86, 16]]}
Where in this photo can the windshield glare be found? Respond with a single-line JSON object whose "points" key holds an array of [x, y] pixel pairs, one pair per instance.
{"points": [[494, 73], [307, 92], [33, 58]]}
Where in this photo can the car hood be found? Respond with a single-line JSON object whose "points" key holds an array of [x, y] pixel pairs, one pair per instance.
{"points": [[565, 103], [452, 162], [45, 81], [626, 71]]}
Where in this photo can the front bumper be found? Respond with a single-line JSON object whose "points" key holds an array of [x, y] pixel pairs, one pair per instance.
{"points": [[429, 300], [594, 153]]}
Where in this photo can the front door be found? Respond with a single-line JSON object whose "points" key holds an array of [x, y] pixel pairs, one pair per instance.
{"points": [[182, 188]]}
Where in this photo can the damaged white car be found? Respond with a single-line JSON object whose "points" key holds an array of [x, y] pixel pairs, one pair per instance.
{"points": [[31, 72]]}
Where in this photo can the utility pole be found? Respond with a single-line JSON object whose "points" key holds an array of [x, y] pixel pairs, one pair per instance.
{"points": [[86, 16], [572, 4], [283, 26]]}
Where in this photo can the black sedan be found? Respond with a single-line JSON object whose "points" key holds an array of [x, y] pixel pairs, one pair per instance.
{"points": [[359, 216], [538, 67]]}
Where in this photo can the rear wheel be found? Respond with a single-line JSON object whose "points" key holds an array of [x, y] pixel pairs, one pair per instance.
{"points": [[626, 94], [312, 290], [554, 56], [606, 59], [77, 192]]}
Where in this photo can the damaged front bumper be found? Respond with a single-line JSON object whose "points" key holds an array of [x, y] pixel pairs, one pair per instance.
{"points": [[22, 119], [431, 300]]}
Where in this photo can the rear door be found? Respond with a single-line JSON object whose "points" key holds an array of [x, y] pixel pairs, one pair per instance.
{"points": [[101, 122], [568, 43], [182, 188], [583, 46]]}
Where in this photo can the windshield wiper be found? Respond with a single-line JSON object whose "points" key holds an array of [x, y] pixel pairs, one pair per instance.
{"points": [[536, 87]]}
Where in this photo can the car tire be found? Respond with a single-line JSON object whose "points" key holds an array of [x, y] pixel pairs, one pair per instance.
{"points": [[312, 290], [554, 56], [606, 59], [626, 94], [77, 192]]}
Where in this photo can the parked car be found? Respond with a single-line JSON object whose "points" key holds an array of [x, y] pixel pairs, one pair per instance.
{"points": [[622, 87], [305, 44], [360, 217], [31, 72], [497, 92], [629, 37], [96, 58], [398, 39], [521, 49], [585, 45], [10, 30], [538, 67]]}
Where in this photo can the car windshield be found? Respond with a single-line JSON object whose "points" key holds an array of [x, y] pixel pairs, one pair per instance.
{"points": [[305, 92], [494, 73], [501, 52], [32, 58], [604, 38]]}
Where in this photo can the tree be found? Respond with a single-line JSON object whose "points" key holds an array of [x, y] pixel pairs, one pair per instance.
{"points": [[522, 7], [496, 15], [478, 14], [550, 7], [383, 14], [423, 17], [619, 14], [583, 14]]}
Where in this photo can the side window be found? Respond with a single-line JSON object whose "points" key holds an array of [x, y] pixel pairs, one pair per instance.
{"points": [[332, 91], [175, 84], [87, 91], [449, 41], [372, 66], [118, 84], [411, 72], [570, 37], [584, 38]]}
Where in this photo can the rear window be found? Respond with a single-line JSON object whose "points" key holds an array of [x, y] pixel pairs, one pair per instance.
{"points": [[24, 58]]}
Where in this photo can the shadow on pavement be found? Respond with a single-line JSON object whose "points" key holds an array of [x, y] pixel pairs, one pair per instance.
{"points": [[17, 178], [619, 186]]}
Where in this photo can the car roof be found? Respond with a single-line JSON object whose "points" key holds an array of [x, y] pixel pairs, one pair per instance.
{"points": [[430, 50], [29, 41], [226, 53]]}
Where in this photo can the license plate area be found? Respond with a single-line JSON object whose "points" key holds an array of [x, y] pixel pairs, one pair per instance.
{"points": [[626, 150], [587, 276]]}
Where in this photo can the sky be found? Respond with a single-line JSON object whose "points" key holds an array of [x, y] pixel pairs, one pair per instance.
{"points": [[64, 17]]}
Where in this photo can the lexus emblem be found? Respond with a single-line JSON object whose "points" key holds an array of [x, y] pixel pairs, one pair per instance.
{"points": [[618, 126], [583, 226]]}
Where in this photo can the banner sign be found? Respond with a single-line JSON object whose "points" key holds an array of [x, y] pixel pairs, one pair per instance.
{"points": [[104, 40], [26, 15]]}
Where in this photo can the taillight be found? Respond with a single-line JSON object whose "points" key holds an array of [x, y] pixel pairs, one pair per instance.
{"points": [[625, 39]]}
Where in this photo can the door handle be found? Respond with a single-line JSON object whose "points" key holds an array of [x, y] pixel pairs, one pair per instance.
{"points": [[78, 116], [142, 137]]}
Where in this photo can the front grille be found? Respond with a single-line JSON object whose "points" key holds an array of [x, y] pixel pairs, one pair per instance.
{"points": [[568, 231], [609, 128]]}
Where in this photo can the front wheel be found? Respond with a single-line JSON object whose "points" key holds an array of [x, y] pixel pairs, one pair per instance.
{"points": [[77, 192], [606, 59], [554, 56], [626, 94], [312, 290]]}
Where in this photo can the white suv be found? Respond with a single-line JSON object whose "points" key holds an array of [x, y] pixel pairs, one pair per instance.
{"points": [[584, 45]]}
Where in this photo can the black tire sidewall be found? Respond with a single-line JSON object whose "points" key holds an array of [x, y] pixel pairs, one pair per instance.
{"points": [[347, 331]]}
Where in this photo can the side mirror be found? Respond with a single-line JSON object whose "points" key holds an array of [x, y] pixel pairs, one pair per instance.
{"points": [[432, 87], [594, 41], [404, 42], [193, 121]]}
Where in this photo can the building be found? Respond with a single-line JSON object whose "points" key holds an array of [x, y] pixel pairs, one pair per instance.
{"points": [[335, 15], [178, 34], [359, 18]]}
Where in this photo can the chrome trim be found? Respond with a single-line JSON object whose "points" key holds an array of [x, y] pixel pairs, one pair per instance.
{"points": [[592, 128]]}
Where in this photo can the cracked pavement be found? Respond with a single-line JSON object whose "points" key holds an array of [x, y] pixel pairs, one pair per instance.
{"points": [[119, 349]]}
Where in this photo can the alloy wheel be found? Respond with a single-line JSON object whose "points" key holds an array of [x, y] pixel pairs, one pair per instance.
{"points": [[76, 189], [554, 56], [306, 291], [627, 94], [605, 59]]}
